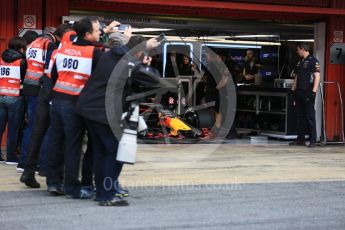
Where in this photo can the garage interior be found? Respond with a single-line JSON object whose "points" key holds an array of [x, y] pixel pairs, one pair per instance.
{"points": [[263, 109]]}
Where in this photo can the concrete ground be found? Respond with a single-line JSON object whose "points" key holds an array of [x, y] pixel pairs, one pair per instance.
{"points": [[201, 186]]}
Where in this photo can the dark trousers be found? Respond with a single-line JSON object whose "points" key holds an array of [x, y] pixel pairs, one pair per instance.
{"points": [[31, 110], [11, 114], [66, 129], [305, 112], [87, 168], [39, 131], [107, 169]]}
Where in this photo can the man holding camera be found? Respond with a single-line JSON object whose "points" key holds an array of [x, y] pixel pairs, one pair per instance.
{"points": [[92, 106], [304, 89], [73, 66]]}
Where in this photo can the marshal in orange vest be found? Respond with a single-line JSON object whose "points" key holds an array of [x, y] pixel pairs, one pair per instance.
{"points": [[35, 56], [74, 65], [10, 78]]}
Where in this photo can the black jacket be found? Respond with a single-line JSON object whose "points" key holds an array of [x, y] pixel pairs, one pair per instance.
{"points": [[305, 73], [252, 68], [108, 88], [186, 70], [11, 55]]}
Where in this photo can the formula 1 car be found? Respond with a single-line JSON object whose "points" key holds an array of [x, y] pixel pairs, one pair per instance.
{"points": [[163, 123]]}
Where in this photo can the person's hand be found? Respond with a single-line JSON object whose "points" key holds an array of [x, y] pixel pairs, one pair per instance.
{"points": [[249, 77], [111, 27], [152, 43], [313, 95], [193, 68], [128, 32], [147, 60]]}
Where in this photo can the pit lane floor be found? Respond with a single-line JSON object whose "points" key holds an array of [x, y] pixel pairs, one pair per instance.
{"points": [[200, 186]]}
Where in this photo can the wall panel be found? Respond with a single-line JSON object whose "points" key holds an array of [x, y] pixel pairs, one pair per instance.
{"points": [[56, 9], [29, 7], [334, 72], [7, 23], [315, 3]]}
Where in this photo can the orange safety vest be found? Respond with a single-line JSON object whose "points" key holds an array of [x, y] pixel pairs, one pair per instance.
{"points": [[10, 78], [35, 56], [74, 65], [66, 38]]}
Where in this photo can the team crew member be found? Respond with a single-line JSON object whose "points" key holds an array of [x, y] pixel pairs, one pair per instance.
{"points": [[72, 69], [38, 56], [12, 72], [251, 67], [305, 86], [91, 105], [37, 138], [186, 68]]}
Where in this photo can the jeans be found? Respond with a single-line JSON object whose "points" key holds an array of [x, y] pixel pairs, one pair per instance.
{"points": [[66, 130], [38, 139], [87, 168], [11, 113], [31, 108], [107, 169]]}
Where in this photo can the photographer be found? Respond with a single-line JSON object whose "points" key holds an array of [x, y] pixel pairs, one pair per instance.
{"points": [[73, 67], [92, 106]]}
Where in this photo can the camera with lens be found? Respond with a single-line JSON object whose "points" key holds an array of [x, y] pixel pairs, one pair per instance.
{"points": [[128, 144]]}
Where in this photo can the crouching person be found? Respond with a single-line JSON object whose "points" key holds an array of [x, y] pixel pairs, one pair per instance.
{"points": [[92, 105]]}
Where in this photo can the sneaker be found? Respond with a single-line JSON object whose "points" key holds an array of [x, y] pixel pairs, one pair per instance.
{"points": [[37, 169], [29, 180], [115, 201], [2, 160], [20, 167], [56, 190], [119, 191], [83, 194], [89, 188], [297, 143], [12, 162]]}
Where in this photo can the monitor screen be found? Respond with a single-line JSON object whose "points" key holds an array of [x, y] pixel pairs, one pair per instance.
{"points": [[269, 71], [269, 54]]}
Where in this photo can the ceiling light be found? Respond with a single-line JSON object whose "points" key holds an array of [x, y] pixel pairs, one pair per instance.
{"points": [[257, 36], [217, 41], [300, 40], [139, 30], [231, 46]]}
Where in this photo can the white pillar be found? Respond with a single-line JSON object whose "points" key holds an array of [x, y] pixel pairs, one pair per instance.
{"points": [[319, 53]]}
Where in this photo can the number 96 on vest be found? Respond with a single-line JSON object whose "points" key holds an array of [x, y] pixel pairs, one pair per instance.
{"points": [[4, 71]]}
